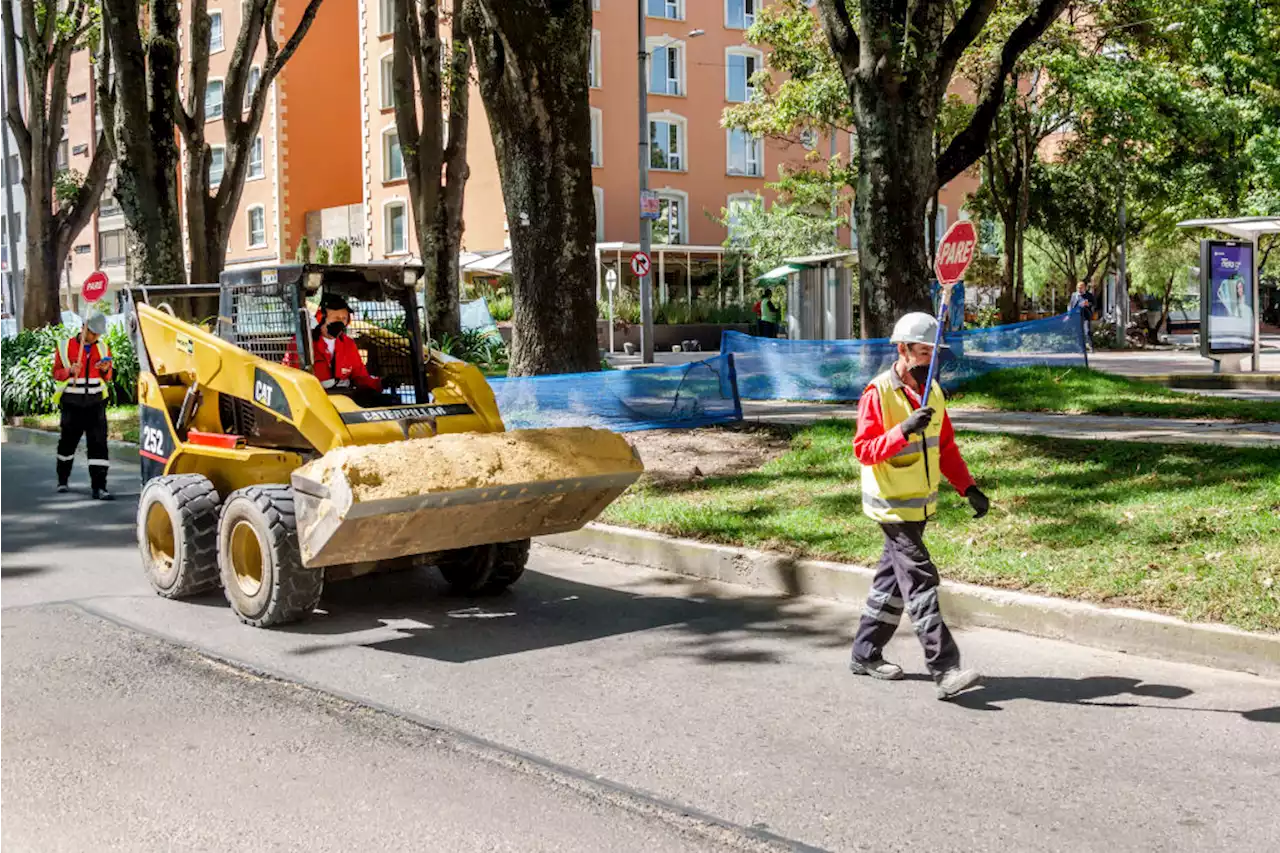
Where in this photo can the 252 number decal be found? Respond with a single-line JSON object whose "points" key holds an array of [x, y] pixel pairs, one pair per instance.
{"points": [[153, 441]]}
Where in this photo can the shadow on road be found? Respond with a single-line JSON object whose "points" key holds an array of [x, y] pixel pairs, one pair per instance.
{"points": [[1090, 691], [545, 611], [37, 517]]}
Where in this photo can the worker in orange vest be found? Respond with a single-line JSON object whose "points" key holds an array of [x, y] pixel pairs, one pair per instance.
{"points": [[82, 371]]}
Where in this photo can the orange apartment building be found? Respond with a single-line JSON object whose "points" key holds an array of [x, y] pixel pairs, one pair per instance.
{"points": [[329, 166]]}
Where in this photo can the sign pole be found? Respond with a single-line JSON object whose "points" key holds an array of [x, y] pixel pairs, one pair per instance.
{"points": [[646, 280], [954, 254]]}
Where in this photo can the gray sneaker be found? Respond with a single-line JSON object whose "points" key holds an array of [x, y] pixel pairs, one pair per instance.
{"points": [[955, 681], [879, 669]]}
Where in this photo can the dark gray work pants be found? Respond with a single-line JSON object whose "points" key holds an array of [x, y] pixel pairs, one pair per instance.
{"points": [[906, 578]]}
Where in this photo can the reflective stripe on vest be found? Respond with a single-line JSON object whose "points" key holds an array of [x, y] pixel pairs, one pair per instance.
{"points": [[89, 385], [904, 487]]}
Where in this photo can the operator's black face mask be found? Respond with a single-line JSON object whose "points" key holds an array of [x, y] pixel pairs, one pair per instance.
{"points": [[920, 373], [336, 328]]}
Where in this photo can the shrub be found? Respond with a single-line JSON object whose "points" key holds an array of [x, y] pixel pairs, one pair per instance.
{"points": [[342, 251], [501, 308], [477, 346], [303, 255], [322, 255]]}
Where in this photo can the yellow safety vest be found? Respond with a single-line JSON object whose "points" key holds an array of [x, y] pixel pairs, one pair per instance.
{"points": [[904, 487], [89, 385]]}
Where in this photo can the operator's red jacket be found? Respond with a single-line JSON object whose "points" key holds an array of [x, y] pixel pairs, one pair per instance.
{"points": [[872, 445], [91, 370], [344, 363]]}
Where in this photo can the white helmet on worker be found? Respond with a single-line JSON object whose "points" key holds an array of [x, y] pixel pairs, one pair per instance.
{"points": [[915, 328]]}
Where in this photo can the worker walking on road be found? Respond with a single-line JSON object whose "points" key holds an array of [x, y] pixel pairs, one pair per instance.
{"points": [[905, 450], [82, 371]]}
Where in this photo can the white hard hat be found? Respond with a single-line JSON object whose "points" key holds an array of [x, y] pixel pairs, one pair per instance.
{"points": [[97, 323], [915, 328]]}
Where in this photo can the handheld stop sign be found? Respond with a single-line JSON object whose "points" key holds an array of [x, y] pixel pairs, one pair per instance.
{"points": [[955, 253], [94, 287]]}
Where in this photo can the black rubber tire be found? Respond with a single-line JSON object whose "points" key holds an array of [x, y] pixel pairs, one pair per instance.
{"points": [[178, 535], [484, 569], [284, 590]]}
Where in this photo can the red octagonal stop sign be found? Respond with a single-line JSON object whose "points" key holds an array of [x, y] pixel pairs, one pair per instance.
{"points": [[94, 287], [955, 252]]}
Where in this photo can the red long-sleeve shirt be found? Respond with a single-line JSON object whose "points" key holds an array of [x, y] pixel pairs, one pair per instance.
{"points": [[344, 363], [872, 445]]}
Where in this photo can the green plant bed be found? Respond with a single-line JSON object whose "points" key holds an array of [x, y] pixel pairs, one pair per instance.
{"points": [[1190, 530], [26, 369], [1078, 390]]}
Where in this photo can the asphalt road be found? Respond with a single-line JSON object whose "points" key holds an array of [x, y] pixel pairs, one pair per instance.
{"points": [[615, 705]]}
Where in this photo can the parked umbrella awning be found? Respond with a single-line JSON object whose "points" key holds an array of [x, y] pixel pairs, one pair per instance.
{"points": [[778, 273]]}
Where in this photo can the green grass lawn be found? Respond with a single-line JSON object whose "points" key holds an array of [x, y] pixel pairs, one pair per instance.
{"points": [[1078, 390], [1189, 530], [122, 422]]}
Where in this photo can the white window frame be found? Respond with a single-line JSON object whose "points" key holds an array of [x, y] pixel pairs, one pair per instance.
{"points": [[261, 147], [387, 205], [669, 5], [746, 53], [682, 139], [222, 98], [655, 43], [748, 18], [672, 194], [386, 17], [598, 193], [222, 36], [748, 196], [249, 211], [251, 85], [387, 132], [595, 5], [597, 138], [594, 72], [757, 143], [386, 81], [214, 150]]}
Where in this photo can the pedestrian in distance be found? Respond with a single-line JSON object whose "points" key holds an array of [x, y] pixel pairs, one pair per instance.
{"points": [[770, 314], [82, 375], [905, 450], [1083, 301]]}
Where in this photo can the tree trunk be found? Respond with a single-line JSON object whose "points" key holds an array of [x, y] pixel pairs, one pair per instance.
{"points": [[1009, 275], [532, 62], [140, 128]]}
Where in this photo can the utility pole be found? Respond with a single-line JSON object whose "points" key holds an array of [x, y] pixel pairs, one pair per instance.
{"points": [[646, 233], [1122, 279], [13, 296]]}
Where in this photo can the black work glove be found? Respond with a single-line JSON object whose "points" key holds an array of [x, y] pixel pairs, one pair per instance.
{"points": [[917, 421], [980, 502]]}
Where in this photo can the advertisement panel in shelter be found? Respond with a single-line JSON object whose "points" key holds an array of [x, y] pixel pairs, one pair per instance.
{"points": [[1227, 295]]}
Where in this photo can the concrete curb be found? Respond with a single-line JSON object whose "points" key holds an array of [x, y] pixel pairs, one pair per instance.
{"points": [[119, 451], [1212, 380], [1121, 630]]}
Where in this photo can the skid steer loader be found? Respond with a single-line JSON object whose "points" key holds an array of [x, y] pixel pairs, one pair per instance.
{"points": [[260, 479]]}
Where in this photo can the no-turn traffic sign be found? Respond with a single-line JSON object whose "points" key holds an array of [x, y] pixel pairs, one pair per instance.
{"points": [[640, 264], [94, 287], [955, 252]]}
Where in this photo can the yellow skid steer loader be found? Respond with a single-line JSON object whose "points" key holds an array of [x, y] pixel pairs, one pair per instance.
{"points": [[259, 477]]}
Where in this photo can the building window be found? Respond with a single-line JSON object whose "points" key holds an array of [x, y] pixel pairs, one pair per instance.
{"points": [[255, 158], [111, 248], [386, 17], [108, 206], [670, 227], [739, 14], [251, 88], [78, 99], [672, 10], [215, 32], [745, 154], [13, 174], [666, 144], [388, 93], [392, 156], [80, 150], [742, 65], [739, 204], [64, 154], [257, 227], [599, 199], [597, 138], [666, 69], [213, 100], [217, 165], [83, 249], [593, 63], [395, 220], [988, 237]]}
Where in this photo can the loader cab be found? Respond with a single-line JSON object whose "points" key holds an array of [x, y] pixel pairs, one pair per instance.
{"points": [[271, 312]]}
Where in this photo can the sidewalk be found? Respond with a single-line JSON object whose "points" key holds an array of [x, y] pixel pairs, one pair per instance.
{"points": [[1087, 427]]}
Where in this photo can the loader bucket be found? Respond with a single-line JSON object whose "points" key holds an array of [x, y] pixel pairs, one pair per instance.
{"points": [[384, 501]]}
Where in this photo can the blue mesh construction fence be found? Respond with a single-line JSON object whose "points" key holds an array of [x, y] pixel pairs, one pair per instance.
{"points": [[839, 370], [688, 395]]}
